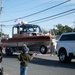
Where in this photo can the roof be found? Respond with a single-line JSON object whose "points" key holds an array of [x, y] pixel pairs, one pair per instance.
{"points": [[26, 25], [68, 33]]}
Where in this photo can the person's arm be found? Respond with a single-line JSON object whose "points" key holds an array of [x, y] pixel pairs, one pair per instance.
{"points": [[33, 55]]}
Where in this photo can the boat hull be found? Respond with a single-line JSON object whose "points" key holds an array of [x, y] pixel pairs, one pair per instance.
{"points": [[27, 39], [33, 42]]}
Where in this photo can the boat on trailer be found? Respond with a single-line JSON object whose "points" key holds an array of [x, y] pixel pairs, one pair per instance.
{"points": [[29, 34]]}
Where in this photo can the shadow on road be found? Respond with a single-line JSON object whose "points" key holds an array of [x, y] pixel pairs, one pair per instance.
{"points": [[53, 63], [10, 56], [47, 62]]}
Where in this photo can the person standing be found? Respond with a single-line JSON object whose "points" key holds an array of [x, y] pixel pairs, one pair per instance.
{"points": [[24, 59], [0, 54]]}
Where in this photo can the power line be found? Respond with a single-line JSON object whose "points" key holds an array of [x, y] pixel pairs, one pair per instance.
{"points": [[52, 16], [38, 11], [21, 3], [41, 4], [45, 9], [55, 17], [34, 7], [0, 8], [30, 8]]}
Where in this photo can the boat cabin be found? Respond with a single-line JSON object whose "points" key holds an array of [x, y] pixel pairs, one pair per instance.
{"points": [[26, 30]]}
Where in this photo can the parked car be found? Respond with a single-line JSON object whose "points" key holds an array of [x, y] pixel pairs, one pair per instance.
{"points": [[66, 47]]}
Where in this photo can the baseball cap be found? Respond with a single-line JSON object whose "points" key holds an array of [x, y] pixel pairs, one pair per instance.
{"points": [[25, 48]]}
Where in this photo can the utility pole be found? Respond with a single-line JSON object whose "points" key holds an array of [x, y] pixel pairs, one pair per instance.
{"points": [[0, 16], [0, 7]]}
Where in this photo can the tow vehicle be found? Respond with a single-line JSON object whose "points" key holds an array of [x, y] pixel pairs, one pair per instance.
{"points": [[29, 34]]}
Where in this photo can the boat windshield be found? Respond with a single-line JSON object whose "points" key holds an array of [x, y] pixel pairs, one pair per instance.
{"points": [[28, 28]]}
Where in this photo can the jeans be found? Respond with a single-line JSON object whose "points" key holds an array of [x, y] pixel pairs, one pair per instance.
{"points": [[23, 70]]}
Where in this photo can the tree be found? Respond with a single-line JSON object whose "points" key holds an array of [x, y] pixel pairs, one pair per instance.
{"points": [[2, 34], [44, 31], [67, 28], [62, 29]]}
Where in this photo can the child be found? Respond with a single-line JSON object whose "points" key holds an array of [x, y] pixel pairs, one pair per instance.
{"points": [[24, 59]]}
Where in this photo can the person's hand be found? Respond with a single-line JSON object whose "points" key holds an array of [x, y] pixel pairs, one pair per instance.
{"points": [[25, 45], [34, 54]]}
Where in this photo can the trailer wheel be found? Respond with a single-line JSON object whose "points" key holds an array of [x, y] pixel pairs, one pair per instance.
{"points": [[43, 49], [8, 51]]}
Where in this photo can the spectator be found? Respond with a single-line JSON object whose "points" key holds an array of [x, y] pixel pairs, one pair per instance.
{"points": [[24, 59]]}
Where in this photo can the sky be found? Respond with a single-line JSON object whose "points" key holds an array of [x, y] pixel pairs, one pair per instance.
{"points": [[14, 9]]}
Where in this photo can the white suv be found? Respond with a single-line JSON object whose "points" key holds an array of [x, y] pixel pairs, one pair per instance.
{"points": [[66, 47]]}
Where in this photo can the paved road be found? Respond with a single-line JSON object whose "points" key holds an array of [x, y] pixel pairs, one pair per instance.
{"points": [[40, 65]]}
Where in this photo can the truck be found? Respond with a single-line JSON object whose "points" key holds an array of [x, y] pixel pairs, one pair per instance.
{"points": [[29, 34], [65, 48]]}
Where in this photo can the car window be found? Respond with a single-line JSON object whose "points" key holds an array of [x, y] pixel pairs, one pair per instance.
{"points": [[68, 37]]}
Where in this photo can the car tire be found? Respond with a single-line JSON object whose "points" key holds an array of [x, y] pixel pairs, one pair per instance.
{"points": [[62, 56], [43, 49]]}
